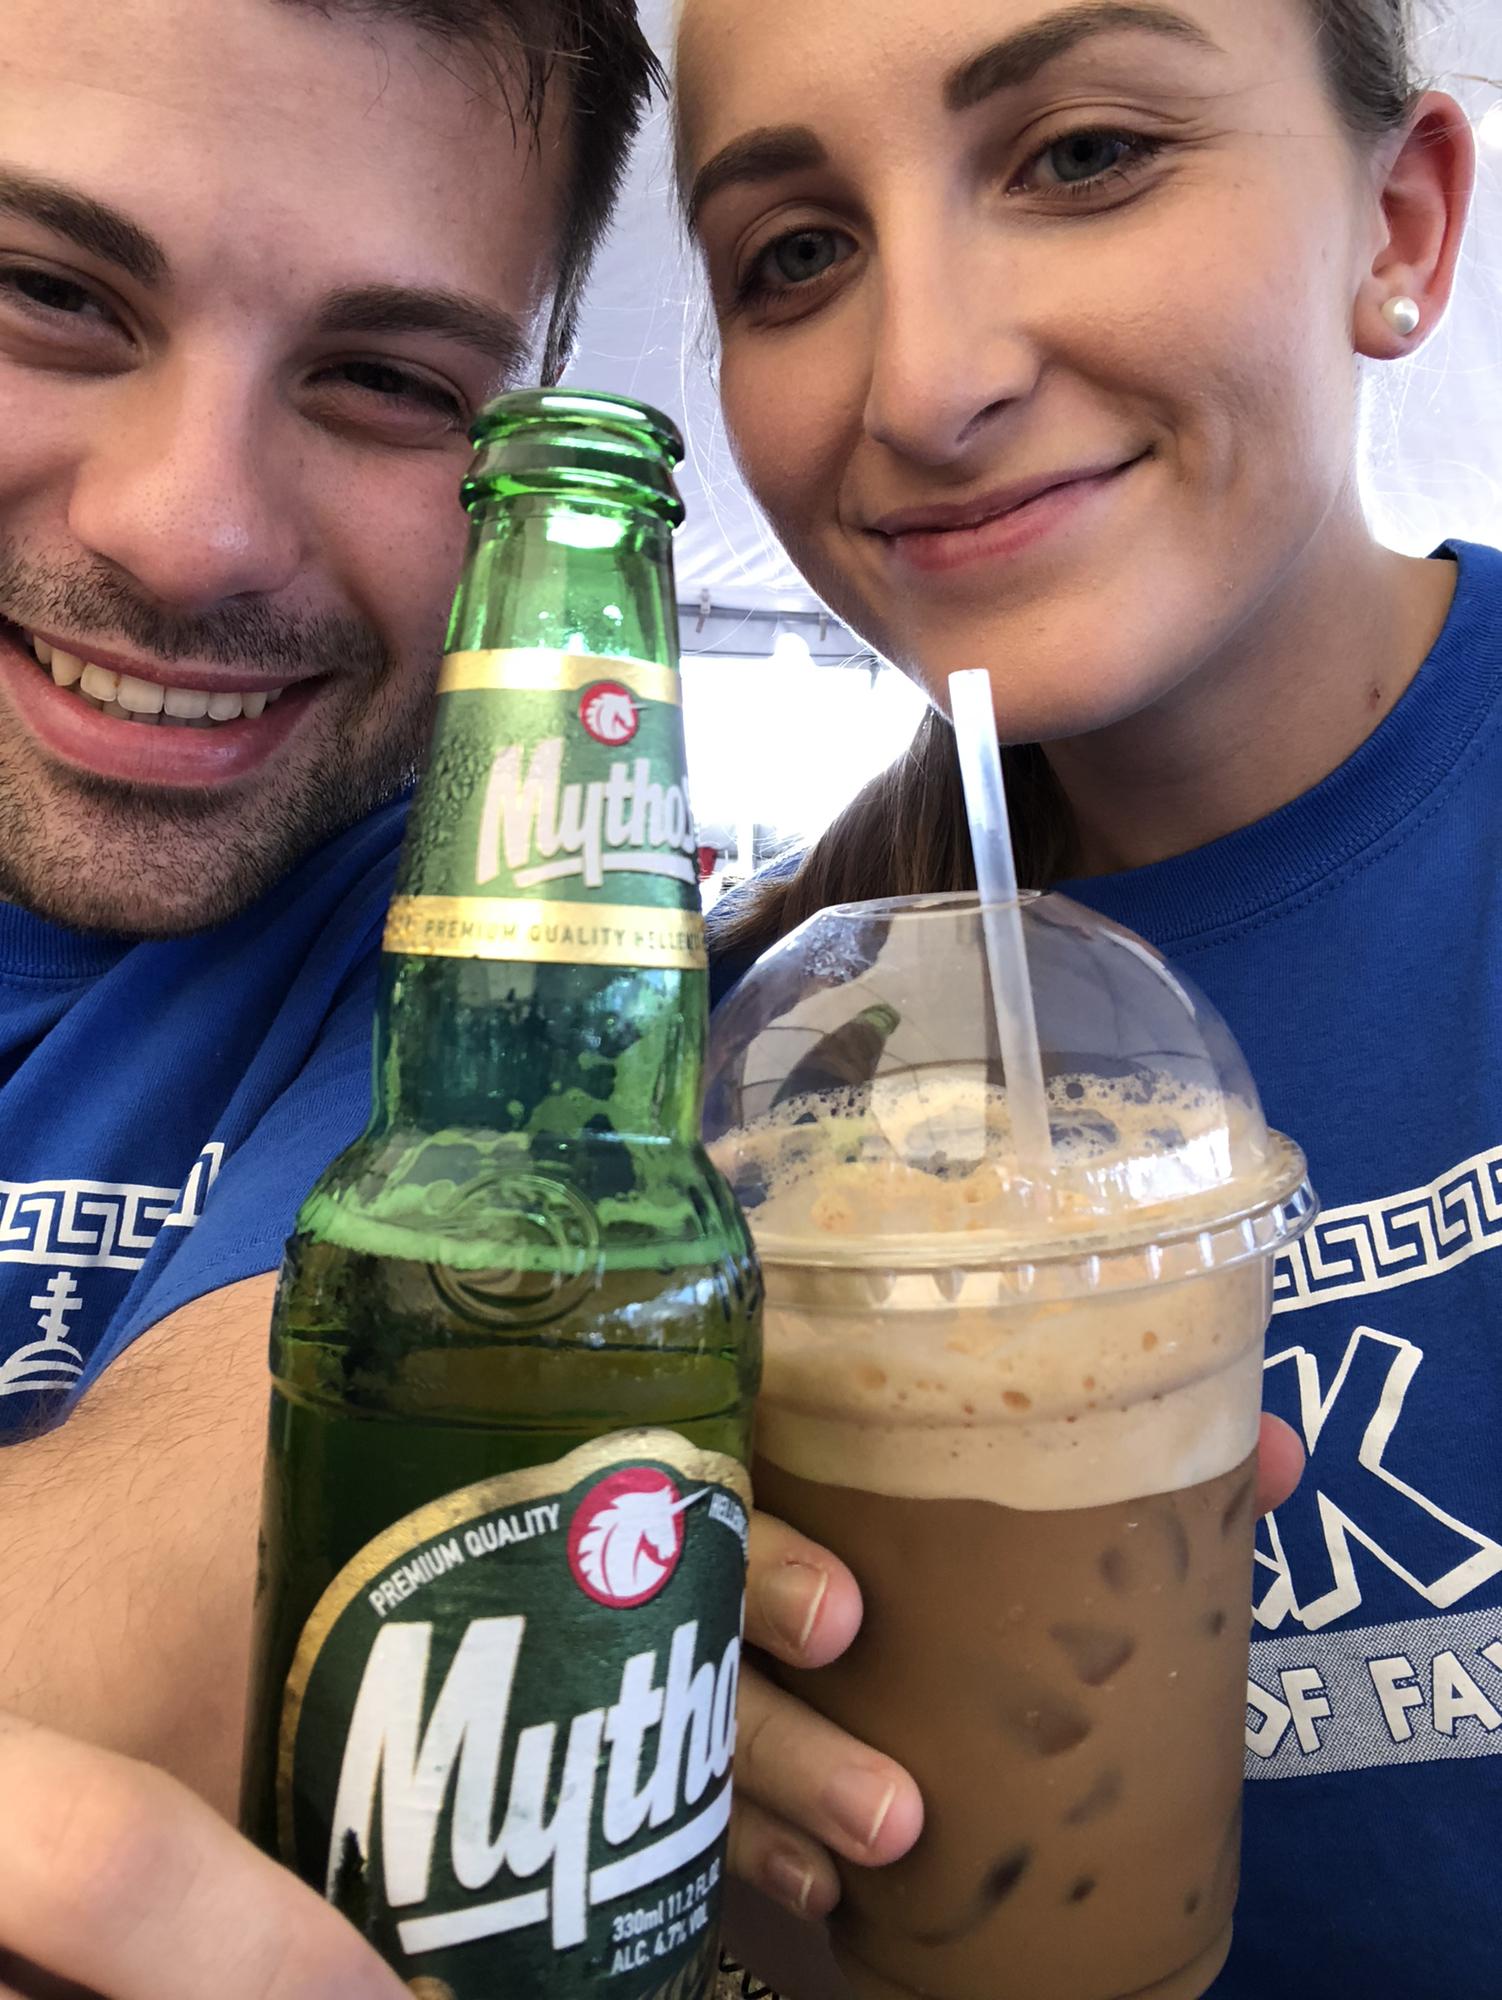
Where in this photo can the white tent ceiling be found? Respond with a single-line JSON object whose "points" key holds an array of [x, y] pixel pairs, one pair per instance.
{"points": [[1436, 425]]}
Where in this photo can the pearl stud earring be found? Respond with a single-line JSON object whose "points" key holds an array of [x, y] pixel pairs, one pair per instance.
{"points": [[1403, 315]]}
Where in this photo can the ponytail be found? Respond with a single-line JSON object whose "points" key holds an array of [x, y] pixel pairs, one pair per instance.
{"points": [[906, 834]]}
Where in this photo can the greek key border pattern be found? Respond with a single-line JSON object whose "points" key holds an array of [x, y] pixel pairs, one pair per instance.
{"points": [[98, 1225], [1376, 1246]]}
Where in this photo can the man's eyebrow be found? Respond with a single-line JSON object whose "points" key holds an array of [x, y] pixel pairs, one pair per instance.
{"points": [[762, 155], [489, 329], [1019, 58], [92, 225]]}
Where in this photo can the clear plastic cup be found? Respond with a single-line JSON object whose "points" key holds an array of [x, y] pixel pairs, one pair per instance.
{"points": [[1026, 1415]]}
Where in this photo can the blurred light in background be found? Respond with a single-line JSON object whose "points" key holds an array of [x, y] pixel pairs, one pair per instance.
{"points": [[790, 650], [777, 745]]}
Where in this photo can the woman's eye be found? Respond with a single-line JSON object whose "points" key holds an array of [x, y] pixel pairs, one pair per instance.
{"points": [[801, 258], [1083, 160], [795, 260]]}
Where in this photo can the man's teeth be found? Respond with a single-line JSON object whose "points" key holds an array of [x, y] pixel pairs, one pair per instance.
{"points": [[132, 700]]}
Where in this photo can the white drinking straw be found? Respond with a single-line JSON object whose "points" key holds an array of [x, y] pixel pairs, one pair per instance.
{"points": [[970, 703]]}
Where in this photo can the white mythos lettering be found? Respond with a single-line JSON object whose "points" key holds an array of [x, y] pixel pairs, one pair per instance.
{"points": [[520, 809], [543, 830], [675, 818], [387, 1749], [657, 832], [722, 1728], [392, 1764], [581, 827], [641, 785], [698, 1722], [529, 1840], [637, 1710], [619, 791]]}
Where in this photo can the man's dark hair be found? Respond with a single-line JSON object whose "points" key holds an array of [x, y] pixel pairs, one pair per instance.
{"points": [[596, 50]]}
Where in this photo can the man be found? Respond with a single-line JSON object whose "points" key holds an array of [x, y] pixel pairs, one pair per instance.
{"points": [[260, 262], [248, 306]]}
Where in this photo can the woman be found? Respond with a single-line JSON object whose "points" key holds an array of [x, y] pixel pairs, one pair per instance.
{"points": [[1043, 328]]}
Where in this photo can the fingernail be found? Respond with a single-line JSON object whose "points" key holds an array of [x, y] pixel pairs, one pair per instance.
{"points": [[791, 1599], [859, 1802], [790, 1881]]}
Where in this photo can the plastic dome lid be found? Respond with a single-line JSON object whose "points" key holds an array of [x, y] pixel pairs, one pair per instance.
{"points": [[857, 1102]]}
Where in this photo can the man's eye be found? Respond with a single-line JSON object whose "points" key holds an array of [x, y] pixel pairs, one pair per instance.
{"points": [[49, 292], [383, 401], [380, 379]]}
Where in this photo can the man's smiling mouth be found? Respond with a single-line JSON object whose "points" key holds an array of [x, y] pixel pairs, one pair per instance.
{"points": [[131, 697]]}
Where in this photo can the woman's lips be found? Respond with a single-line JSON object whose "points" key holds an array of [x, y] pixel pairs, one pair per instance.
{"points": [[940, 540]]}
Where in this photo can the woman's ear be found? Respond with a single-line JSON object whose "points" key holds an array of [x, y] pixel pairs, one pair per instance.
{"points": [[1425, 197]]}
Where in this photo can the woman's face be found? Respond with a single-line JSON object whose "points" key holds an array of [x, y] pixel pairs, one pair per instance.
{"points": [[1037, 323]]}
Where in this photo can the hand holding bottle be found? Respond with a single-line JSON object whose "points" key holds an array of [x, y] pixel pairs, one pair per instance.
{"points": [[119, 1884]]}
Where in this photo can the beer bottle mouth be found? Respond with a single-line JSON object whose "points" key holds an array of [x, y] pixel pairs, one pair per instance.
{"points": [[579, 445]]}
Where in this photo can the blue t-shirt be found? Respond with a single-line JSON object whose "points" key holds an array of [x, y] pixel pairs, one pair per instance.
{"points": [[1353, 941], [165, 1107]]}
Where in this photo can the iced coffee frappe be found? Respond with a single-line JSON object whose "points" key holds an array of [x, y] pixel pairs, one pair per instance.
{"points": [[1026, 1416], [1042, 1472]]}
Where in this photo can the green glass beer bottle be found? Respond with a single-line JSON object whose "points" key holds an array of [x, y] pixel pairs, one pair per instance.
{"points": [[517, 1341]]}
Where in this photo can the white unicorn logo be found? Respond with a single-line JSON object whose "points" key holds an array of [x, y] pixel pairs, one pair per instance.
{"points": [[610, 714], [631, 1545]]}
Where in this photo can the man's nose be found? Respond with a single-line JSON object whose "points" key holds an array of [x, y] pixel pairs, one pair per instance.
{"points": [[951, 356], [189, 490]]}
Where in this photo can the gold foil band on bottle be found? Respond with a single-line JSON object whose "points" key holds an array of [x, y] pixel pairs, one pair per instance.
{"points": [[546, 933], [543, 672]]}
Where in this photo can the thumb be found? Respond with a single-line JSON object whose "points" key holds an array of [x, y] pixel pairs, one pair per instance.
{"points": [[120, 1881]]}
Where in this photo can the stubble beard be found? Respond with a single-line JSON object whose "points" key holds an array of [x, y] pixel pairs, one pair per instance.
{"points": [[95, 854]]}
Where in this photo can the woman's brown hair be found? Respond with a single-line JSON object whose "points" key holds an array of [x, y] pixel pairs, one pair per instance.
{"points": [[905, 833]]}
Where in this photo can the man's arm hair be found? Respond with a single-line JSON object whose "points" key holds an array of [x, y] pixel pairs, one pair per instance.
{"points": [[131, 1547]]}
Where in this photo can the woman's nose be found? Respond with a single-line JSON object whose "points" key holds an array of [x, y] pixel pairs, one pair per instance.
{"points": [[950, 359]]}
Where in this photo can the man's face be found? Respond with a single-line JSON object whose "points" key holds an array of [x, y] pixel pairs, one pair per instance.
{"points": [[259, 267]]}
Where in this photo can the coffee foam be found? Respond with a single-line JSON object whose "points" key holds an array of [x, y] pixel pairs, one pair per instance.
{"points": [[931, 1384], [915, 1155], [1070, 1404]]}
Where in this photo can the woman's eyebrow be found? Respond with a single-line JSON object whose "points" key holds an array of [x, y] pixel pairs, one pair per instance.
{"points": [[1018, 58], [762, 155], [773, 150]]}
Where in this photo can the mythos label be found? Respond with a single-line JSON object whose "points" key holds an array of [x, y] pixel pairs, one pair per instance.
{"points": [[554, 824], [507, 1734]]}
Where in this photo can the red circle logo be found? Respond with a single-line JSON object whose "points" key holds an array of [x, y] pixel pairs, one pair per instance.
{"points": [[626, 1536], [609, 714]]}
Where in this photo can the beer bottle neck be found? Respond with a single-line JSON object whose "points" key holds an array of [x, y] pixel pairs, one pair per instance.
{"points": [[544, 971], [548, 571]]}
